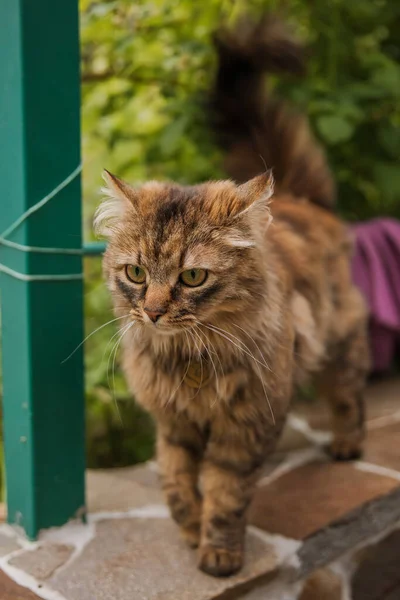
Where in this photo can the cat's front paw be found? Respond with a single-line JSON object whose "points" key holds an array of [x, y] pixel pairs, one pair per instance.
{"points": [[220, 562], [347, 447]]}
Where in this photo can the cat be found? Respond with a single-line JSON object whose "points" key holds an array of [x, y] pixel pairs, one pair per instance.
{"points": [[231, 294]]}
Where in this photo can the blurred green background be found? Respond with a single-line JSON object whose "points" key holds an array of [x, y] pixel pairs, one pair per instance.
{"points": [[147, 67]]}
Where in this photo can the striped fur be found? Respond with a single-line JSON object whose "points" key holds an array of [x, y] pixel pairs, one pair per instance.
{"points": [[277, 307]]}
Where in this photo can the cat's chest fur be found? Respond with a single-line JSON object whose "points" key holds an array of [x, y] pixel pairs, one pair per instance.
{"points": [[199, 386]]}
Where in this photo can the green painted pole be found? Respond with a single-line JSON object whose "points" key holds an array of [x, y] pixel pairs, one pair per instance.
{"points": [[43, 397]]}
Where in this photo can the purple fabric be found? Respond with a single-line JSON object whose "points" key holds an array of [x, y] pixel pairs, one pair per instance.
{"points": [[376, 271]]}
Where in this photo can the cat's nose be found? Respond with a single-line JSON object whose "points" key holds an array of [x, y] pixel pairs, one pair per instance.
{"points": [[154, 313]]}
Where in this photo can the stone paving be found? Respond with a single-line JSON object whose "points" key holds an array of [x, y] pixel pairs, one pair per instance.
{"points": [[319, 530]]}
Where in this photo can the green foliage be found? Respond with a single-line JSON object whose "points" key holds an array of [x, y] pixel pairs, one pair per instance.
{"points": [[352, 96], [146, 69]]}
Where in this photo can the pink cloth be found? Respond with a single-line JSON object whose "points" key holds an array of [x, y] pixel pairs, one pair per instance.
{"points": [[376, 271]]}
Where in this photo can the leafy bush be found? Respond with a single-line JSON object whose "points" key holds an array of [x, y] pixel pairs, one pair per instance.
{"points": [[146, 70]]}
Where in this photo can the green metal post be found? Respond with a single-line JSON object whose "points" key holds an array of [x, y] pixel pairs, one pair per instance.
{"points": [[41, 320]]}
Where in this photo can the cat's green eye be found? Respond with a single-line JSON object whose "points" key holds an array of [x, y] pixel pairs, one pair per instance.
{"points": [[193, 277], [135, 273]]}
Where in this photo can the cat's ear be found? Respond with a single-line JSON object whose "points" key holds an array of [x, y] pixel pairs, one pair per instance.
{"points": [[255, 195], [117, 188], [119, 197], [253, 204]]}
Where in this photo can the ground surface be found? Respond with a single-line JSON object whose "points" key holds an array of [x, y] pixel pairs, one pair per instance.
{"points": [[307, 513]]}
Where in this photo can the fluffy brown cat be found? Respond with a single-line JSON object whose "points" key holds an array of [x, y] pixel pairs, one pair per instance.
{"points": [[230, 296]]}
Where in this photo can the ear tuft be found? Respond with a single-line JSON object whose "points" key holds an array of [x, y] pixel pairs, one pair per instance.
{"points": [[254, 198], [257, 192], [117, 188], [119, 196]]}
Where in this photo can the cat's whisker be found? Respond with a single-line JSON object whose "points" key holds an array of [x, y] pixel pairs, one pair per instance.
{"points": [[112, 388], [183, 378], [255, 343], [201, 362], [92, 333], [109, 342], [198, 323], [114, 351], [243, 347], [219, 360], [198, 336], [121, 333], [108, 379], [218, 331], [197, 333], [113, 373]]}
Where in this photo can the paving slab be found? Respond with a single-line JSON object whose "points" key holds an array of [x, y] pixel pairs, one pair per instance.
{"points": [[378, 575], [382, 447], [309, 497], [354, 528], [291, 439], [8, 544], [330, 507], [43, 561], [9, 590], [146, 474], [144, 559], [323, 584], [108, 492]]}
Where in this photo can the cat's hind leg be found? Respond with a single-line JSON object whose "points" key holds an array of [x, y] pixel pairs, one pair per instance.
{"points": [[342, 383]]}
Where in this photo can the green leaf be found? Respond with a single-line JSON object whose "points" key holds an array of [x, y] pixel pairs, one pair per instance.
{"points": [[389, 138], [388, 178], [387, 77], [170, 139], [334, 128]]}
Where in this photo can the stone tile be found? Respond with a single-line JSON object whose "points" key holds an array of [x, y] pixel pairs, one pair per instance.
{"points": [[9, 590], [378, 575], [8, 544], [323, 584], [292, 440], [310, 497], [144, 559], [352, 529], [107, 492], [273, 462], [148, 477], [382, 446], [144, 475], [43, 561], [278, 589]]}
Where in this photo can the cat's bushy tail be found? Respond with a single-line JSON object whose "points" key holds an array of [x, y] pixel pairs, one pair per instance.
{"points": [[254, 126]]}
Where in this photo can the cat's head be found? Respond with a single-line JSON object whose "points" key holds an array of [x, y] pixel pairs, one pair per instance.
{"points": [[182, 255]]}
